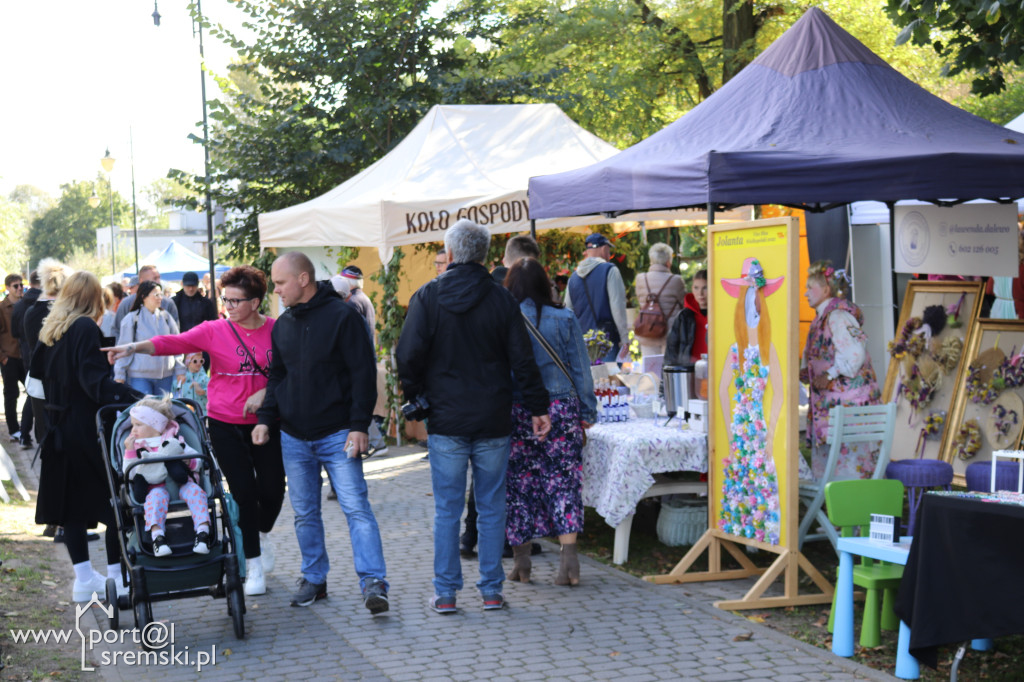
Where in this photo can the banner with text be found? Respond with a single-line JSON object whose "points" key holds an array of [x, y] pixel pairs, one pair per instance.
{"points": [[970, 239]]}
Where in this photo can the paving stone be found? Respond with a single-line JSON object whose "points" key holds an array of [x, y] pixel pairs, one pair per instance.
{"points": [[557, 633]]}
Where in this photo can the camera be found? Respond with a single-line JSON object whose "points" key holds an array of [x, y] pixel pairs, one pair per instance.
{"points": [[416, 409]]}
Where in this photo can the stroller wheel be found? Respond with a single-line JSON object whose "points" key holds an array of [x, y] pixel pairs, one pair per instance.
{"points": [[143, 617], [236, 607], [114, 619]]}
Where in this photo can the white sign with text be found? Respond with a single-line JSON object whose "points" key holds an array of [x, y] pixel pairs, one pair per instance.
{"points": [[970, 239]]}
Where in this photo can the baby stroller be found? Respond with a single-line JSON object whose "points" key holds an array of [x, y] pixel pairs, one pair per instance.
{"points": [[181, 574]]}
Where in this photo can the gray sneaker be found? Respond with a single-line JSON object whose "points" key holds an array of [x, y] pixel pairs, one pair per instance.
{"points": [[375, 596], [308, 592]]}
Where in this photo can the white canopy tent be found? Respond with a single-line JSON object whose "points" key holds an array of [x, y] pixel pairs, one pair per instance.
{"points": [[461, 161]]}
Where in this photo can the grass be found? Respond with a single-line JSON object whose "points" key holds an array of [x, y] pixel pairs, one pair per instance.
{"points": [[34, 590]]}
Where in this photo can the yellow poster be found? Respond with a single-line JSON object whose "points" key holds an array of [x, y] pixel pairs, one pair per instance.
{"points": [[754, 362]]}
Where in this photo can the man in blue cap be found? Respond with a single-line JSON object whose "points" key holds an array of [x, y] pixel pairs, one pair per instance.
{"points": [[597, 294]]}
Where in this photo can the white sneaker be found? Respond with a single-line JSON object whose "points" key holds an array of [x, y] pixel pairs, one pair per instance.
{"points": [[16, 435], [82, 591], [254, 582], [267, 552]]}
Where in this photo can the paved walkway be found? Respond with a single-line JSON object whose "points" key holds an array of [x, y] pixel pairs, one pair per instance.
{"points": [[612, 626]]}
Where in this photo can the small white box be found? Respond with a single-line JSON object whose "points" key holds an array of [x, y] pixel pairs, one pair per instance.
{"points": [[698, 410]]}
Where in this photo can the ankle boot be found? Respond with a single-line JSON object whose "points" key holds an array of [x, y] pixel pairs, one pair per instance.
{"points": [[523, 566], [568, 566]]}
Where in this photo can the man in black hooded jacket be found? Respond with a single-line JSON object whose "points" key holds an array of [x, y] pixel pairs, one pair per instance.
{"points": [[322, 388], [463, 341]]}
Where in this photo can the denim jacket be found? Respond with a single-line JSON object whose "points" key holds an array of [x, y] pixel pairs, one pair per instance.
{"points": [[561, 330]]}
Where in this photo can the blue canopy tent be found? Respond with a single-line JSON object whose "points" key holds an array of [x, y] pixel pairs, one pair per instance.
{"points": [[175, 260], [816, 121]]}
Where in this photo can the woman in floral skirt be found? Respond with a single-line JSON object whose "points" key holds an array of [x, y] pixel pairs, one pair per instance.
{"points": [[544, 483], [838, 367]]}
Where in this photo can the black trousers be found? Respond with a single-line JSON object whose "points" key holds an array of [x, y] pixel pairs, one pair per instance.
{"points": [[13, 374], [255, 474]]}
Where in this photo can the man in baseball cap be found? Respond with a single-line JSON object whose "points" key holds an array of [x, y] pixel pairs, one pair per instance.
{"points": [[597, 294]]}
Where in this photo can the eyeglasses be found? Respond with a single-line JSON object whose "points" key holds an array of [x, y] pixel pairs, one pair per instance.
{"points": [[18, 286], [440, 262], [234, 302]]}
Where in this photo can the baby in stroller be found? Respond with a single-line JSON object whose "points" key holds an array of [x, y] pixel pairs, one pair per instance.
{"points": [[155, 434]]}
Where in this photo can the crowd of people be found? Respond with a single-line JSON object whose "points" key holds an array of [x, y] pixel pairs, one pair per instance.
{"points": [[494, 363]]}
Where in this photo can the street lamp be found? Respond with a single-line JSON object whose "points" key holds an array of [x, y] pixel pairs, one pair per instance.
{"points": [[94, 200], [108, 165], [198, 26]]}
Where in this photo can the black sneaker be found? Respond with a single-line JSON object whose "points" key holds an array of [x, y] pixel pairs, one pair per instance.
{"points": [[26, 441], [494, 602], [375, 596], [308, 592], [202, 543]]}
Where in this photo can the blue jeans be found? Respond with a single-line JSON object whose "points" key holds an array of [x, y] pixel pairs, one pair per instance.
{"points": [[450, 456], [302, 462], [155, 387]]}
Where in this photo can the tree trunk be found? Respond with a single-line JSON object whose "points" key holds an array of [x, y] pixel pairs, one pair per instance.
{"points": [[737, 29]]}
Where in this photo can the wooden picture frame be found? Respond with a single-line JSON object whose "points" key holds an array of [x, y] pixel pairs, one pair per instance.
{"points": [[907, 436], [1008, 336]]}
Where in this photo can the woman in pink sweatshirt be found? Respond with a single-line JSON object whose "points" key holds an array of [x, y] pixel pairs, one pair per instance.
{"points": [[239, 350]]}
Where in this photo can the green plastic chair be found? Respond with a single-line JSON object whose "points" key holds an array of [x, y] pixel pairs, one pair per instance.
{"points": [[850, 505]]}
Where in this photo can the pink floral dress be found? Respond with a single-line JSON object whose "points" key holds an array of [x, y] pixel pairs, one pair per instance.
{"points": [[750, 488], [837, 348]]}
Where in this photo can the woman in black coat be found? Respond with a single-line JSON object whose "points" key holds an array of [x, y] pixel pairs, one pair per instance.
{"points": [[73, 489]]}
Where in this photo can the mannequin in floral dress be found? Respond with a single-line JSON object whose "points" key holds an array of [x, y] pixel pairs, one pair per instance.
{"points": [[838, 367], [750, 490]]}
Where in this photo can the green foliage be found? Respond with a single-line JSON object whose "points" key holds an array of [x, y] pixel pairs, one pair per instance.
{"points": [[13, 236], [71, 224], [320, 92], [985, 39], [390, 317]]}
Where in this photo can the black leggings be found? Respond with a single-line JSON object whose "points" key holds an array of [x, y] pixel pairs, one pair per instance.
{"points": [[255, 474], [77, 541]]}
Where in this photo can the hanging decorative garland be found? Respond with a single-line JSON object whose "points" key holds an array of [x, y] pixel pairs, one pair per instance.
{"points": [[967, 441]]}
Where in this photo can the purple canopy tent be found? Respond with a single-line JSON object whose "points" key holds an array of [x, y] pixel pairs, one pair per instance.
{"points": [[817, 120]]}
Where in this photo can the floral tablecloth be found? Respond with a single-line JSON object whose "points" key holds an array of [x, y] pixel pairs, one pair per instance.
{"points": [[620, 458]]}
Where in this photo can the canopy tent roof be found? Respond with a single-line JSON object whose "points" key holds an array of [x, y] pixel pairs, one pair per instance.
{"points": [[175, 260], [816, 120], [460, 161]]}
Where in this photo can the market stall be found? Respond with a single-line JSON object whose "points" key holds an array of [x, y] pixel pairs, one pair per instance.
{"points": [[816, 121]]}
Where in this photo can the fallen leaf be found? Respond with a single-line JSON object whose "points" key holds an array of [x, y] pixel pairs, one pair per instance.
{"points": [[48, 583], [226, 652], [743, 637], [756, 619], [613, 654], [821, 622]]}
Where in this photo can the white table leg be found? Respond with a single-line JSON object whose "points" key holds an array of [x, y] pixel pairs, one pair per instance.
{"points": [[906, 665], [842, 637], [620, 552]]}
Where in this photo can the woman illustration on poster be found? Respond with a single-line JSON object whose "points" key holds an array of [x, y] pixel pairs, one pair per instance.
{"points": [[750, 490]]}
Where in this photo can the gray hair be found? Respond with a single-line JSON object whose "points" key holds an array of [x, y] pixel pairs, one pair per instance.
{"points": [[467, 242], [660, 253]]}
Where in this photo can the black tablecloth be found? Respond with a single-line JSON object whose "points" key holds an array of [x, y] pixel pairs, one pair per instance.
{"points": [[963, 579]]}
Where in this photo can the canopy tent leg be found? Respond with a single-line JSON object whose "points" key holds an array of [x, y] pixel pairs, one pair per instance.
{"points": [[892, 264], [533, 229]]}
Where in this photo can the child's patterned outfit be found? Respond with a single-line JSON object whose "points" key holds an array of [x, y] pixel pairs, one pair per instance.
{"points": [[151, 479], [193, 380]]}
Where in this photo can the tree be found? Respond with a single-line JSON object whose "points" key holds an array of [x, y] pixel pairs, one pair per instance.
{"points": [[71, 224], [13, 235], [320, 92], [983, 38]]}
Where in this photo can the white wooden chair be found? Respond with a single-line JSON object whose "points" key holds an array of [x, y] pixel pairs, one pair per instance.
{"points": [[846, 424]]}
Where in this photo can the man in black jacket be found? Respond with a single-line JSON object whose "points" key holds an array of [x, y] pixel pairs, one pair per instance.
{"points": [[322, 387], [30, 296], [193, 307], [462, 342]]}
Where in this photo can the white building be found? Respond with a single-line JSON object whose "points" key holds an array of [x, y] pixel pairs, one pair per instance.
{"points": [[187, 227]]}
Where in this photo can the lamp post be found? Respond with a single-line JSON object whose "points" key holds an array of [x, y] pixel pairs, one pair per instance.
{"points": [[108, 165], [135, 218], [198, 26]]}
